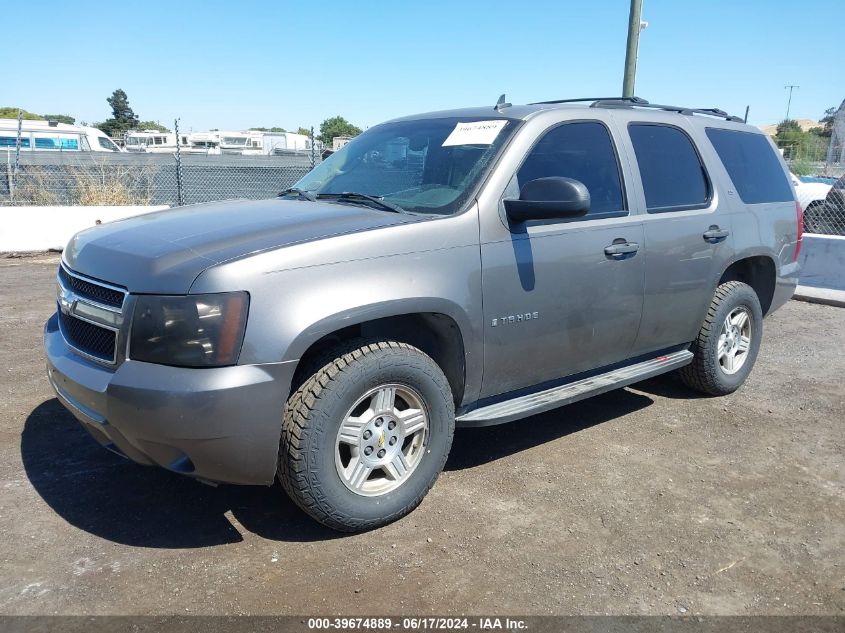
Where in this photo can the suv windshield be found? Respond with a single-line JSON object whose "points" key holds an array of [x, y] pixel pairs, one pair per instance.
{"points": [[422, 166]]}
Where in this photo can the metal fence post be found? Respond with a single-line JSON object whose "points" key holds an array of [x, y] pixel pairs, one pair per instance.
{"points": [[17, 157], [179, 197], [313, 160], [9, 175]]}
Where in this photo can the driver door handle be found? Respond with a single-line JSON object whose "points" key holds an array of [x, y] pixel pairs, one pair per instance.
{"points": [[619, 249], [714, 234]]}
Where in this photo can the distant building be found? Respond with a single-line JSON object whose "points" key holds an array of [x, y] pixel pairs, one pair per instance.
{"points": [[340, 141]]}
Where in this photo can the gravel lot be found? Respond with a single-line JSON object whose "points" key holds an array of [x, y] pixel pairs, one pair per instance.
{"points": [[648, 500]]}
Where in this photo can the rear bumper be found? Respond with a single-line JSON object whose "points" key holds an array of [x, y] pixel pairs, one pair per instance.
{"points": [[785, 284], [221, 424]]}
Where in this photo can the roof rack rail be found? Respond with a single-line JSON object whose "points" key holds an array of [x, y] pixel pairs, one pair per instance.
{"points": [[627, 102], [630, 100], [639, 102]]}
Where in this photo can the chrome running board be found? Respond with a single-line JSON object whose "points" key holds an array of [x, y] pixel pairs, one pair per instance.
{"points": [[534, 403]]}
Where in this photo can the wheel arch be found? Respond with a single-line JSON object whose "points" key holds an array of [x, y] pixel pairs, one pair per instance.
{"points": [[431, 326], [759, 271]]}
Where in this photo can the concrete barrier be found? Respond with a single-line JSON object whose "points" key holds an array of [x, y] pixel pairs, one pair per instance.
{"points": [[43, 228], [823, 261], [822, 270]]}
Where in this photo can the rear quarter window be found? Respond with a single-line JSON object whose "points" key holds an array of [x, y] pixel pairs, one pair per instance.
{"points": [[752, 165]]}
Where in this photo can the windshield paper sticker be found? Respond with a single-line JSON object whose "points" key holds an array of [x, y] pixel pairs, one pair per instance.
{"points": [[475, 133]]}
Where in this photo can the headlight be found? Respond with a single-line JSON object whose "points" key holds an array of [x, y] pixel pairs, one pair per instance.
{"points": [[190, 331]]}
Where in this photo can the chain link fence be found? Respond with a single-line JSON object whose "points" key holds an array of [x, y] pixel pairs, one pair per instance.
{"points": [[827, 217], [819, 156], [68, 178], [815, 156], [818, 152], [820, 159], [93, 179]]}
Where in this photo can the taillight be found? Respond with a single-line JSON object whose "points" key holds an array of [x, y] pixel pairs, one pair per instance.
{"points": [[799, 214]]}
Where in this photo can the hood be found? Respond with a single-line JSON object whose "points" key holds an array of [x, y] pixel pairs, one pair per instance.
{"points": [[164, 252]]}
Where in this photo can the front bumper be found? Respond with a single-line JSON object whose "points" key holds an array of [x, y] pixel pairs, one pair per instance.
{"points": [[218, 424]]}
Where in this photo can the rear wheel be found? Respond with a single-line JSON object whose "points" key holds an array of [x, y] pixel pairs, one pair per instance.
{"points": [[728, 341], [366, 435]]}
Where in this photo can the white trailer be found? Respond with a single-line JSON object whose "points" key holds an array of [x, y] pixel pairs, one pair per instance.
{"points": [[54, 136], [153, 141]]}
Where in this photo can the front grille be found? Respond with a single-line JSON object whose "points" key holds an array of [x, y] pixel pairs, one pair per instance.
{"points": [[88, 338], [93, 291]]}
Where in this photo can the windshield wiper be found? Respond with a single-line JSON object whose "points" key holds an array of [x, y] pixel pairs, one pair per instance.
{"points": [[363, 198], [300, 193]]}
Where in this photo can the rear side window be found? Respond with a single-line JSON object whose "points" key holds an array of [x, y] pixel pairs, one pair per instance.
{"points": [[582, 151], [752, 165], [673, 176]]}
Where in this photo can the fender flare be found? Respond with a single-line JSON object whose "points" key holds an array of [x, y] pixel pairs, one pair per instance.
{"points": [[471, 337]]}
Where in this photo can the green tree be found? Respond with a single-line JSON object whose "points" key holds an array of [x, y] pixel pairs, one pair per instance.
{"points": [[789, 138], [120, 109], [336, 126], [788, 126], [827, 122], [304, 131], [61, 118], [268, 129], [123, 118], [12, 113], [801, 147], [152, 125]]}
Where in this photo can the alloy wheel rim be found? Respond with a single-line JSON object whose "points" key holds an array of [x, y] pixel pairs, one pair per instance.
{"points": [[734, 340], [382, 439]]}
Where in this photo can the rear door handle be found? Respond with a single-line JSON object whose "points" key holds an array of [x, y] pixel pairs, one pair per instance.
{"points": [[620, 248], [714, 234]]}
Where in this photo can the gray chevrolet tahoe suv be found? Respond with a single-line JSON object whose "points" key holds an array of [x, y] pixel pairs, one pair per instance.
{"points": [[468, 267]]}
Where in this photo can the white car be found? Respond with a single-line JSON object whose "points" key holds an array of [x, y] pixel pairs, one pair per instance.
{"points": [[810, 194]]}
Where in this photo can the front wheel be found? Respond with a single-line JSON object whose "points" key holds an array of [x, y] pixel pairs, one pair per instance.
{"points": [[366, 435], [727, 344]]}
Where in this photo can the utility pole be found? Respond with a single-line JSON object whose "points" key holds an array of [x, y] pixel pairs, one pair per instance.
{"points": [[635, 25], [790, 87]]}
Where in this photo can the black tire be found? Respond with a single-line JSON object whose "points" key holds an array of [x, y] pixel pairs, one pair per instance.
{"points": [[313, 416], [811, 217], [705, 373]]}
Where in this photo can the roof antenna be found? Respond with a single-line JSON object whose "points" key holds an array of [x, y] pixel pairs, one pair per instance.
{"points": [[501, 104]]}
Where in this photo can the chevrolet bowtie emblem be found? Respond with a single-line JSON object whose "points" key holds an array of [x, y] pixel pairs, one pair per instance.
{"points": [[381, 440], [66, 301]]}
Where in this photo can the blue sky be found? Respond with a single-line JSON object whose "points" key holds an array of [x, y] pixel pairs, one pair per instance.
{"points": [[245, 63]]}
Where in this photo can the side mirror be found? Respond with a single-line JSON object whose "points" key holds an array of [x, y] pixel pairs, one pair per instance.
{"points": [[548, 199]]}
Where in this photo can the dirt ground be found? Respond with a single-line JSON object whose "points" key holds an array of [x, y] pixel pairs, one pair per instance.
{"points": [[648, 500]]}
